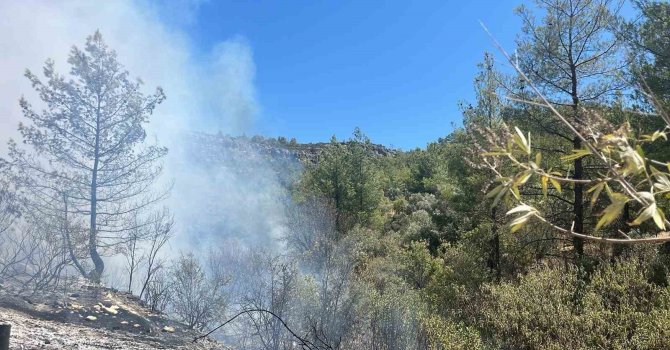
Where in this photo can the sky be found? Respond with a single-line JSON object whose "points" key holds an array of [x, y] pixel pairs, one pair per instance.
{"points": [[293, 68], [396, 69]]}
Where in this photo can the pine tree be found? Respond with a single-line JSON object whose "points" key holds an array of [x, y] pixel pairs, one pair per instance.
{"points": [[88, 147], [573, 57]]}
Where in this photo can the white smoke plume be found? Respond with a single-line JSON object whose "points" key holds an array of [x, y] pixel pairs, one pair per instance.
{"points": [[212, 92]]}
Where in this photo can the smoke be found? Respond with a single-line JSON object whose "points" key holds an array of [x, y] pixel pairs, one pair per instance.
{"points": [[211, 92], [231, 87], [229, 196], [229, 193]]}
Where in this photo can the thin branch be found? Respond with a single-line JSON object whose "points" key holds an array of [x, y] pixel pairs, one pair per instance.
{"points": [[304, 343]]}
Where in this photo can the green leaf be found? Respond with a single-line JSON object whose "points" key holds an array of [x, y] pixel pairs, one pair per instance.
{"points": [[612, 211], [520, 221], [596, 190], [523, 208], [639, 150], [556, 184], [633, 163], [576, 154], [651, 212], [501, 194], [523, 177], [648, 196], [521, 141], [644, 215], [663, 183], [659, 134], [495, 191], [659, 219], [655, 136]]}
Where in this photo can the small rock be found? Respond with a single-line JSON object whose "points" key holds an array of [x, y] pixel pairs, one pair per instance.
{"points": [[168, 329], [136, 325], [91, 318], [114, 309]]}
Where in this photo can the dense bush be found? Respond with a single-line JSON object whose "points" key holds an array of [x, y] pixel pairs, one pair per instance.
{"points": [[443, 334], [616, 307]]}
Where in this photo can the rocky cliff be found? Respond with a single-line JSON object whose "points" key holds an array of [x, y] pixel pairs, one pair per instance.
{"points": [[276, 150]]}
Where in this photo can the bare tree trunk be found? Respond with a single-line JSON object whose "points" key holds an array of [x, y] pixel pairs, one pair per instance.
{"points": [[96, 274], [578, 204], [132, 265], [68, 240], [496, 245]]}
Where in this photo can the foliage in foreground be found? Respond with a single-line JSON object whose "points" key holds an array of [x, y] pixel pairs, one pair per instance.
{"points": [[615, 307]]}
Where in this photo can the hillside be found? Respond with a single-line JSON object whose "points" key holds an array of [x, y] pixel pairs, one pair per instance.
{"points": [[88, 317], [64, 319]]}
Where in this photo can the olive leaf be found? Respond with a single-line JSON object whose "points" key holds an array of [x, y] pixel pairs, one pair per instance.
{"points": [[527, 212], [650, 212], [596, 190], [576, 154], [612, 211], [522, 141]]}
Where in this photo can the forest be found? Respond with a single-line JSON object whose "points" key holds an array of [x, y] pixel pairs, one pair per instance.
{"points": [[539, 223]]}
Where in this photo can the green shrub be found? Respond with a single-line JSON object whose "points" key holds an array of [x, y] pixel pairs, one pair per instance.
{"points": [[445, 334], [551, 308]]}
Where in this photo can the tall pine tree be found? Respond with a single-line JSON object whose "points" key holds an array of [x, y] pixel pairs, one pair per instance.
{"points": [[86, 150]]}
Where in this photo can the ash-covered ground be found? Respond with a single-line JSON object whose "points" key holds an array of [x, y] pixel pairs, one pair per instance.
{"points": [[91, 317]]}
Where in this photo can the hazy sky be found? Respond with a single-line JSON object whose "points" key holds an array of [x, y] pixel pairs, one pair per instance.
{"points": [[304, 69]]}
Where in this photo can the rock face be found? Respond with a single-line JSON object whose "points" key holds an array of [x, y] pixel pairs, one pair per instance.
{"points": [[270, 149]]}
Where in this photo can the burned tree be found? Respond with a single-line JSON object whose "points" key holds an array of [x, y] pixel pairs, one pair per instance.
{"points": [[197, 297], [88, 145], [8, 208], [156, 238]]}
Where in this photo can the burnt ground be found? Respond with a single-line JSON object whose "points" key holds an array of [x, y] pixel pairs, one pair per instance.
{"points": [[91, 317]]}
